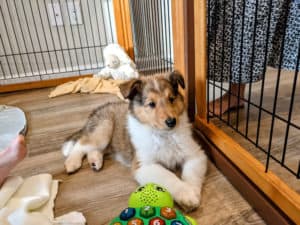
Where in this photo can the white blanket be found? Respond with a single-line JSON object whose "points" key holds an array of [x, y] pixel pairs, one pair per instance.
{"points": [[30, 201]]}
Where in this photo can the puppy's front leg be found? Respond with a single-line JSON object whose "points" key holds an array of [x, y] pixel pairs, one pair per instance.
{"points": [[194, 169], [181, 191]]}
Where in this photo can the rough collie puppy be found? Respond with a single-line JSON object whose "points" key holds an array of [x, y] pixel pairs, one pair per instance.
{"points": [[151, 133]]}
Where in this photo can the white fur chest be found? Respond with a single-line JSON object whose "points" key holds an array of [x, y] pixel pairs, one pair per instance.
{"points": [[152, 146]]}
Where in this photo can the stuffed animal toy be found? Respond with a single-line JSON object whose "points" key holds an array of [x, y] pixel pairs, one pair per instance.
{"points": [[118, 64]]}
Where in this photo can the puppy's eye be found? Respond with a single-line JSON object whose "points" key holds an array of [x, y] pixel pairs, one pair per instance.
{"points": [[152, 104], [171, 99]]}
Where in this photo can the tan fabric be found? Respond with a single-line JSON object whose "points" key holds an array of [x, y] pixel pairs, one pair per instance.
{"points": [[88, 85]]}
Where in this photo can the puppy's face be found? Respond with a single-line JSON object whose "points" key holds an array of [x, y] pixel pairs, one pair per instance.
{"points": [[155, 100]]}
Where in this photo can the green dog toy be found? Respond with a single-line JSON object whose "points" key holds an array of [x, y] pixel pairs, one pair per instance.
{"points": [[151, 204], [150, 194]]}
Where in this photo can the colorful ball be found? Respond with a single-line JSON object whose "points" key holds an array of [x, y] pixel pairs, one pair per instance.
{"points": [[150, 195]]}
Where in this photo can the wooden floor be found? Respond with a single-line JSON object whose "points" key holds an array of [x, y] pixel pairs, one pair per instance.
{"points": [[101, 196], [292, 158]]}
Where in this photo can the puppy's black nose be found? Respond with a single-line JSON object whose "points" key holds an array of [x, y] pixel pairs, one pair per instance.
{"points": [[171, 122]]}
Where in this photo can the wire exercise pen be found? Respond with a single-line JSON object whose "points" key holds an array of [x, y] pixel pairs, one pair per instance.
{"points": [[58, 38], [53, 38], [152, 37], [61, 40], [235, 46], [241, 35]]}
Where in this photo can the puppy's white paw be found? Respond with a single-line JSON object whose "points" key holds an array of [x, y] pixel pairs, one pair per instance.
{"points": [[188, 198], [96, 165], [72, 164], [95, 159]]}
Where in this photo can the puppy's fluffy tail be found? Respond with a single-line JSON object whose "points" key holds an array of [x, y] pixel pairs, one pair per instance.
{"points": [[70, 142]]}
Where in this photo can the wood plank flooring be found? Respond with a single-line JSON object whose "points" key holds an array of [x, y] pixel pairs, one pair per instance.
{"points": [[101, 196]]}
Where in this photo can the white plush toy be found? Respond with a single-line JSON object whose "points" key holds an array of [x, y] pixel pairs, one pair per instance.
{"points": [[118, 64]]}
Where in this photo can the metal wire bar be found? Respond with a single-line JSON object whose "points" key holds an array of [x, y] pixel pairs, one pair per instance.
{"points": [[169, 29], [9, 41], [277, 86], [141, 47], [241, 60], [37, 36], [165, 40], [159, 37], [22, 34], [34, 44], [67, 41], [44, 35], [291, 107], [92, 30], [2, 70], [55, 50], [2, 43], [14, 31], [110, 24], [214, 24], [151, 26], [223, 55], [52, 38], [147, 34], [74, 43], [58, 35], [231, 57], [264, 70], [251, 67], [85, 33], [257, 106], [262, 149], [152, 39], [79, 36], [207, 55], [61, 73], [298, 173], [97, 19], [136, 32], [102, 16], [155, 39]]}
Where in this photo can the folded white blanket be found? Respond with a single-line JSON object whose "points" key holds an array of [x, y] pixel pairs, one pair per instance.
{"points": [[30, 201]]}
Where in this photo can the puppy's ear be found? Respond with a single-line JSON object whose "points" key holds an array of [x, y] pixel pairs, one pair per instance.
{"points": [[131, 88], [176, 78]]}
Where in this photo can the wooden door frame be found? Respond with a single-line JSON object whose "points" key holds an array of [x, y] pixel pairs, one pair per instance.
{"points": [[272, 188], [183, 48], [123, 25]]}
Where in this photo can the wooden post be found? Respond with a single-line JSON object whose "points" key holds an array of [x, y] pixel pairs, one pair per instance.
{"points": [[200, 56], [123, 25], [183, 46]]}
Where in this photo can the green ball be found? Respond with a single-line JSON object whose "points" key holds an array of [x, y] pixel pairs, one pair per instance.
{"points": [[150, 195]]}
